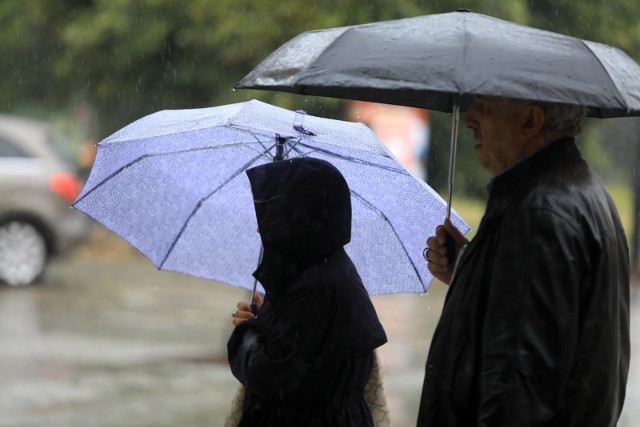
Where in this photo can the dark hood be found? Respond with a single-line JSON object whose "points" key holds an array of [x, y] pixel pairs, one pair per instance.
{"points": [[303, 208]]}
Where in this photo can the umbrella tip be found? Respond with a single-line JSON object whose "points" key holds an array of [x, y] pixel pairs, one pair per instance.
{"points": [[462, 9]]}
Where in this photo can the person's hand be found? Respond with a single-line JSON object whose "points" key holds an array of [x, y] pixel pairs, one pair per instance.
{"points": [[439, 262], [243, 311]]}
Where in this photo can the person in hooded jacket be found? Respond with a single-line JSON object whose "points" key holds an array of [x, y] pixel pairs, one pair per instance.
{"points": [[535, 326], [306, 356]]}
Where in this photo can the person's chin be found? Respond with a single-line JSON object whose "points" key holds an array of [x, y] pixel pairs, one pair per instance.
{"points": [[482, 162]]}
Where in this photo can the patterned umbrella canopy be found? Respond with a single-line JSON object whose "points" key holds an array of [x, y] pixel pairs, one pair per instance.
{"points": [[173, 185]]}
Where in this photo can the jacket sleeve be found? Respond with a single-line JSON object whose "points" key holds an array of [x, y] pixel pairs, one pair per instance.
{"points": [[531, 321], [277, 364]]}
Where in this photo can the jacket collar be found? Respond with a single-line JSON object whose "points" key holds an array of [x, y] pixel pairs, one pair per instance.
{"points": [[504, 186]]}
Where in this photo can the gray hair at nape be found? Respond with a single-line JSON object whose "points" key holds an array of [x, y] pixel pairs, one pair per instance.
{"points": [[565, 119]]}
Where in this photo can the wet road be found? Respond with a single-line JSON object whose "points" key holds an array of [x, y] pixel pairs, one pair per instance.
{"points": [[110, 341]]}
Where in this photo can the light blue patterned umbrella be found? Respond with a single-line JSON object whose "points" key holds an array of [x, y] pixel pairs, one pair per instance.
{"points": [[173, 185]]}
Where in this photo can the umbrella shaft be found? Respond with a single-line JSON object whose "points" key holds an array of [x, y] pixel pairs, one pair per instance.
{"points": [[252, 304], [452, 155], [280, 141]]}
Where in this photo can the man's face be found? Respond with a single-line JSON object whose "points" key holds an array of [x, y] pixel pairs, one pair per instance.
{"points": [[495, 125]]}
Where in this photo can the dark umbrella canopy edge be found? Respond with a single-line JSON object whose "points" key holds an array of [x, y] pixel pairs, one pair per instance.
{"points": [[432, 61]]}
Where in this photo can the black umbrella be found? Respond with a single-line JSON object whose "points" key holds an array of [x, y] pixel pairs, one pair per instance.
{"points": [[441, 61]]}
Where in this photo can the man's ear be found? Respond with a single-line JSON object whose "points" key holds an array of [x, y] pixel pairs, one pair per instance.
{"points": [[533, 117]]}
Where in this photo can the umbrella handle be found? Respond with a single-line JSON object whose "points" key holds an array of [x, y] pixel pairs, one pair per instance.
{"points": [[252, 305], [451, 249], [452, 154]]}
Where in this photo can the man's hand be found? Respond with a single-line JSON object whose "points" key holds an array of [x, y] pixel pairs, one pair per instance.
{"points": [[439, 262], [243, 312]]}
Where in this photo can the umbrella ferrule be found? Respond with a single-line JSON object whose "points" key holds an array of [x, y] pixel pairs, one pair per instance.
{"points": [[298, 125]]}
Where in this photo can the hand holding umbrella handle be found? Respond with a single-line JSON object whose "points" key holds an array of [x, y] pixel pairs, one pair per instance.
{"points": [[245, 311], [443, 249], [450, 245], [256, 303]]}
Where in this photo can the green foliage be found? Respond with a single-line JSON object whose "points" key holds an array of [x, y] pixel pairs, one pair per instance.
{"points": [[126, 58], [604, 21], [27, 47], [131, 58]]}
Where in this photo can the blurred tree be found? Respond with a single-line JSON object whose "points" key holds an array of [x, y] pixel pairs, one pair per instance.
{"points": [[126, 59], [604, 21], [28, 46], [131, 58]]}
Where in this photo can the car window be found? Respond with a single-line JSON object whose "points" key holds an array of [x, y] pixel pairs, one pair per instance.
{"points": [[9, 149]]}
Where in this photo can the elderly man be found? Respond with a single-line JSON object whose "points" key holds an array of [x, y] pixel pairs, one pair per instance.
{"points": [[535, 327]]}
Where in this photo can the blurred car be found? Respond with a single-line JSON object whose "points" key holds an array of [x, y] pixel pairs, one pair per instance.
{"points": [[37, 186]]}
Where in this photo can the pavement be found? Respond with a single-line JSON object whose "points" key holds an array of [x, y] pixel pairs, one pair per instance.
{"points": [[110, 341]]}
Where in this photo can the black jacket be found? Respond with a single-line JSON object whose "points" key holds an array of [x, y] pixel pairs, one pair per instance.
{"points": [[535, 326], [305, 359]]}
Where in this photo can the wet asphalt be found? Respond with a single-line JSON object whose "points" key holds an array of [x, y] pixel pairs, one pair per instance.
{"points": [[107, 340]]}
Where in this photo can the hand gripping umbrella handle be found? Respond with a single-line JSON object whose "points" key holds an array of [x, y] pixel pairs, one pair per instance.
{"points": [[449, 244], [451, 249]]}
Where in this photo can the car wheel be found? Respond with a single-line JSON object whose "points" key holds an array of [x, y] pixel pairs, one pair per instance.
{"points": [[23, 253]]}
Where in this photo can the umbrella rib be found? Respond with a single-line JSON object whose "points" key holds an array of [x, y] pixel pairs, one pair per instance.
{"points": [[386, 219], [201, 201], [293, 146], [300, 152], [620, 94], [111, 140], [147, 156], [260, 142], [254, 134], [373, 208], [355, 159], [290, 138]]}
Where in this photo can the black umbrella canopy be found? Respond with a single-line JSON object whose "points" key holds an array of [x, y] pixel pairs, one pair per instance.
{"points": [[438, 61]]}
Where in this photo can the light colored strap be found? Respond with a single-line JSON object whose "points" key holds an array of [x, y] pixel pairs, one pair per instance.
{"points": [[375, 396], [235, 412]]}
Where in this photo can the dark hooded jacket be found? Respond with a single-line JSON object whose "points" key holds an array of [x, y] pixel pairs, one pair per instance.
{"points": [[306, 357], [535, 326]]}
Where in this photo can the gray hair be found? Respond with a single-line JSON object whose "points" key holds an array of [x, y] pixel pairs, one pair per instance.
{"points": [[562, 118]]}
